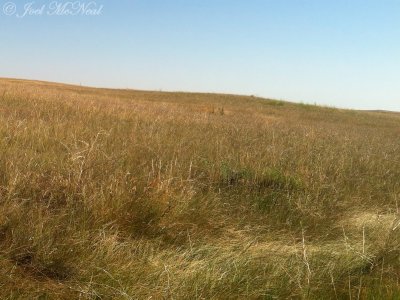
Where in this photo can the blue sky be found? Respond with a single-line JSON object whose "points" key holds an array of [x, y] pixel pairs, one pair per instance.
{"points": [[338, 53]]}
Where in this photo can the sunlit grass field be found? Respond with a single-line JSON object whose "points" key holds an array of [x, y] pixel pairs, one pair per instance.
{"points": [[121, 194]]}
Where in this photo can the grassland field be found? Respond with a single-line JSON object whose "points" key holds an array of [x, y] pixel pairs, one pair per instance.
{"points": [[124, 194]]}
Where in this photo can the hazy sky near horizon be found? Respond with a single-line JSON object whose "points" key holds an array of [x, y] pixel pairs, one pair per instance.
{"points": [[340, 53]]}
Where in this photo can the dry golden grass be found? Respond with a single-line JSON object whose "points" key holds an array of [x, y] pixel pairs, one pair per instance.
{"points": [[118, 194]]}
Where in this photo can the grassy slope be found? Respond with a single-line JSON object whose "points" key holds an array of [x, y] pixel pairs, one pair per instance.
{"points": [[109, 194]]}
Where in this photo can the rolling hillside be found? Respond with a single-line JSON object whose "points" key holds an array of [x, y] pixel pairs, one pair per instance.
{"points": [[122, 194]]}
